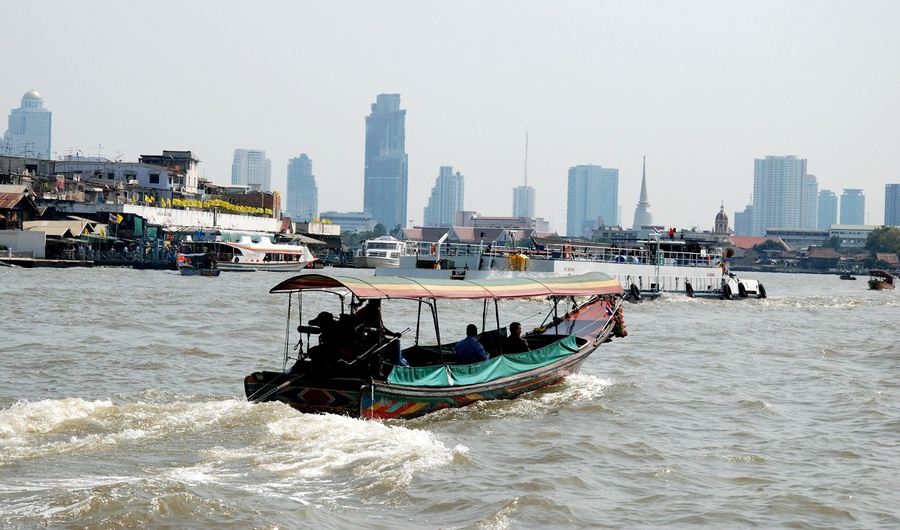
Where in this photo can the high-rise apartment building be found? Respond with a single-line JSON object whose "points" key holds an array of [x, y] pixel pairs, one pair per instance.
{"points": [[810, 201], [828, 210], [853, 207], [778, 193], [385, 185], [593, 196], [743, 221], [892, 205], [523, 201], [446, 198], [252, 168], [302, 192], [28, 134]]}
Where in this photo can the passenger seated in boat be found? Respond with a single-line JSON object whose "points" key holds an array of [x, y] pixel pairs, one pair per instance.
{"points": [[514, 343], [469, 350], [322, 354], [369, 317]]}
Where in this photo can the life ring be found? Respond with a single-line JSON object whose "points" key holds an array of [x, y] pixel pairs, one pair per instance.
{"points": [[742, 291], [726, 291], [689, 288], [762, 291], [635, 292]]}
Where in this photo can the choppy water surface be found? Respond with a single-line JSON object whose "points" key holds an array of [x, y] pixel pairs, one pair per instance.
{"points": [[121, 405]]}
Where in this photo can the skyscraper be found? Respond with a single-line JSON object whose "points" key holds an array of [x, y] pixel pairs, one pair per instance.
{"points": [[252, 168], [810, 201], [892, 205], [853, 207], [446, 198], [385, 186], [523, 201], [643, 216], [302, 193], [828, 210], [29, 129], [778, 193], [593, 194]]}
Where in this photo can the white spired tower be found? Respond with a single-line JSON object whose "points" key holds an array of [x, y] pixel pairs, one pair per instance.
{"points": [[642, 214]]}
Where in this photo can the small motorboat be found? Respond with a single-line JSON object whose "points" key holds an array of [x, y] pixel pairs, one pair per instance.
{"points": [[881, 280]]}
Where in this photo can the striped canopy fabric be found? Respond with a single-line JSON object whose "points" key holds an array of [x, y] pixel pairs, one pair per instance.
{"points": [[592, 283]]}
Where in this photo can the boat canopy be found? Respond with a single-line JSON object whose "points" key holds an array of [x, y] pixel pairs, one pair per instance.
{"points": [[589, 284]]}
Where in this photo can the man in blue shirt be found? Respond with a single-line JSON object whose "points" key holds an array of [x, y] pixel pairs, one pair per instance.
{"points": [[469, 350]]}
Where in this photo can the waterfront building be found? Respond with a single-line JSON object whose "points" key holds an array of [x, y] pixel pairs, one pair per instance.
{"points": [[187, 176], [853, 207], [892, 205], [252, 168], [828, 210], [592, 197], [28, 134], [643, 216], [446, 198], [799, 238], [349, 221], [302, 192], [851, 236], [810, 202], [475, 220], [385, 179], [778, 193]]}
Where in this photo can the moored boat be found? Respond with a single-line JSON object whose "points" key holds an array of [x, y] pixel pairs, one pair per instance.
{"points": [[197, 265], [731, 287], [357, 370], [247, 255], [880, 280], [383, 251]]}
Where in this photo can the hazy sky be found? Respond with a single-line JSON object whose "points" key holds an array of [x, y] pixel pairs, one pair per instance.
{"points": [[699, 88]]}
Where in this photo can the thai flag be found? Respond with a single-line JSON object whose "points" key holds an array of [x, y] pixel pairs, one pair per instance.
{"points": [[609, 311], [656, 230], [112, 218]]}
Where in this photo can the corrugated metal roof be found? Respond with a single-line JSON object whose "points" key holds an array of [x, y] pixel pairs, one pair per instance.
{"points": [[8, 201]]}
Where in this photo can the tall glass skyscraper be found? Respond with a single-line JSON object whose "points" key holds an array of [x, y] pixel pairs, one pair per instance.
{"points": [[385, 186], [29, 129], [853, 207], [828, 210], [779, 192], [593, 194], [252, 168], [446, 199], [302, 192], [892, 205]]}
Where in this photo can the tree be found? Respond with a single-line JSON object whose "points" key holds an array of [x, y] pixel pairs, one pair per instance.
{"points": [[884, 239], [833, 242], [768, 244], [379, 230]]}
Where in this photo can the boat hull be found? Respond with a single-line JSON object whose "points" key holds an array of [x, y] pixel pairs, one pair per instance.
{"points": [[373, 262], [272, 266], [880, 286], [381, 400], [188, 271]]}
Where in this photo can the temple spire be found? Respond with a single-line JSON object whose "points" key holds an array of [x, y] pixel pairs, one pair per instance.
{"points": [[643, 216]]}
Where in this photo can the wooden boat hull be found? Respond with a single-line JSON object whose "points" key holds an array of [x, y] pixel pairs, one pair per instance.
{"points": [[880, 286], [381, 400], [188, 271]]}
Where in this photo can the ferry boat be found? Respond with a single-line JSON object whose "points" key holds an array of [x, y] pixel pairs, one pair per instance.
{"points": [[383, 251], [881, 280], [645, 268], [261, 255]]}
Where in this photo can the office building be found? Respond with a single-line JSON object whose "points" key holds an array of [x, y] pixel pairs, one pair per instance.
{"points": [[892, 205], [853, 207], [779, 188], [252, 168], [592, 199], [828, 210], [28, 134], [385, 185], [302, 192], [643, 216], [446, 198], [743, 221]]}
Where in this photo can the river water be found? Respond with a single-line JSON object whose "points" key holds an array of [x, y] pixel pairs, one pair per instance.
{"points": [[121, 405]]}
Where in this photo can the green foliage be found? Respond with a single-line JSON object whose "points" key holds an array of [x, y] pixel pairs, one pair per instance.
{"points": [[884, 239], [833, 242], [768, 245], [379, 230]]}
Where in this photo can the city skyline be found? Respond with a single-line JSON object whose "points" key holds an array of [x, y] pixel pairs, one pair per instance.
{"points": [[700, 97]]}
